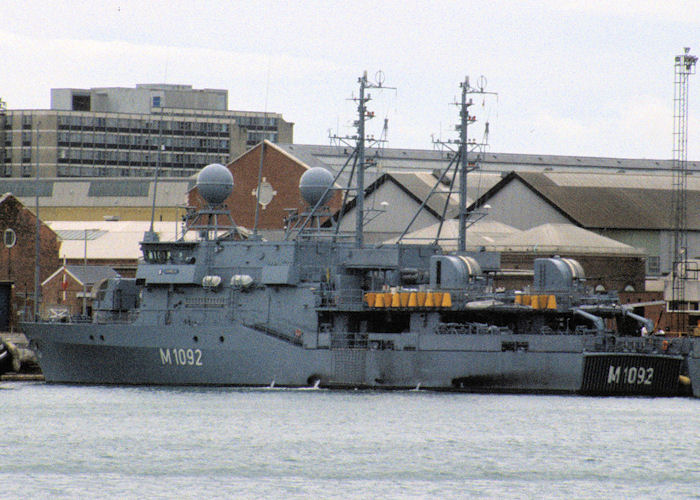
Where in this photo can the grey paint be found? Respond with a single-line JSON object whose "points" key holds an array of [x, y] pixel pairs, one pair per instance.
{"points": [[518, 206], [392, 217]]}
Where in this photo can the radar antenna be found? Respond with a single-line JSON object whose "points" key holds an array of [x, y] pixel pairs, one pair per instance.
{"points": [[214, 183]]}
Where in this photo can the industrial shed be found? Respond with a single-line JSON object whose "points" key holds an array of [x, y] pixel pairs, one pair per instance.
{"points": [[395, 197], [427, 160], [480, 235], [116, 244], [608, 263], [95, 199], [634, 209]]}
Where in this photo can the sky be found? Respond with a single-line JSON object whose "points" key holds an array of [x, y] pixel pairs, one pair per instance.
{"points": [[589, 78]]}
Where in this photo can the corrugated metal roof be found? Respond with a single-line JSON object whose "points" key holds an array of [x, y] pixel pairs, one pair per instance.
{"points": [[620, 202], [563, 238], [420, 159], [24, 188], [629, 180], [89, 275], [118, 239], [112, 192], [123, 187], [419, 185], [78, 234], [480, 234]]}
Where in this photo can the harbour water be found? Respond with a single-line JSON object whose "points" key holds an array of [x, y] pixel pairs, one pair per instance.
{"points": [[134, 442]]}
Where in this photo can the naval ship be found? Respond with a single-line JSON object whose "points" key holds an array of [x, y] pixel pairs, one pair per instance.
{"points": [[317, 309]]}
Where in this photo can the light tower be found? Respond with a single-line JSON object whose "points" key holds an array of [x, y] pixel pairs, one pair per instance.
{"points": [[684, 67]]}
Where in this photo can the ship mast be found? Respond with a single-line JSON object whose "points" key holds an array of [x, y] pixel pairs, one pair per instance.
{"points": [[358, 158], [362, 116], [464, 143], [464, 165], [459, 163]]}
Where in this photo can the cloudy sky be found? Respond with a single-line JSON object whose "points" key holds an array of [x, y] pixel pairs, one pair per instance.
{"points": [[573, 77]]}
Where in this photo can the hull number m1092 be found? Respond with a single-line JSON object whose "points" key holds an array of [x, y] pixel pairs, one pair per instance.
{"points": [[632, 375], [181, 357]]}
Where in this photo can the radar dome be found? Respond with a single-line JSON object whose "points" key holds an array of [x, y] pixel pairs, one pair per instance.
{"points": [[215, 183], [314, 183]]}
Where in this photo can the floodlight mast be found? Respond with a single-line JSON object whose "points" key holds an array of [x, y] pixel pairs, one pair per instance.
{"points": [[684, 67]]}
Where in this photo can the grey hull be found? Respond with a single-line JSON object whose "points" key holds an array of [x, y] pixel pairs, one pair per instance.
{"points": [[240, 356], [694, 367]]}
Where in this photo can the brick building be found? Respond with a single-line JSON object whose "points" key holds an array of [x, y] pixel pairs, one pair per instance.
{"points": [[68, 291], [17, 263], [280, 180]]}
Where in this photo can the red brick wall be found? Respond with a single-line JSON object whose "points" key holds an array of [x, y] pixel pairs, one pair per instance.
{"points": [[613, 272], [54, 296], [657, 313], [17, 264]]}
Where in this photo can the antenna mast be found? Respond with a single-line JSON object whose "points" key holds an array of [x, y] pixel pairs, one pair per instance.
{"points": [[358, 154], [362, 115], [460, 162], [684, 67], [463, 164], [464, 143], [151, 235]]}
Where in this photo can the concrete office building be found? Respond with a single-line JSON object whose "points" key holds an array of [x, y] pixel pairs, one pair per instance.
{"points": [[115, 132]]}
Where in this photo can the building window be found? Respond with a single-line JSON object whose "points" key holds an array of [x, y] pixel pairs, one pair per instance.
{"points": [[156, 101], [653, 265], [81, 102]]}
